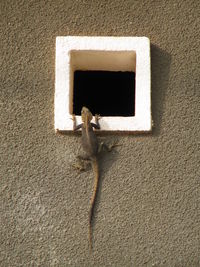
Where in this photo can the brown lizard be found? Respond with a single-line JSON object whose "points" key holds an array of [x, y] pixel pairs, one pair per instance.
{"points": [[91, 148]]}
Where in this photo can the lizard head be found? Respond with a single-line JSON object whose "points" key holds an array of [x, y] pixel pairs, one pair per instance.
{"points": [[86, 115]]}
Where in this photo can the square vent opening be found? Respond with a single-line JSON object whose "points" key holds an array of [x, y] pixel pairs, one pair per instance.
{"points": [[103, 81], [108, 93]]}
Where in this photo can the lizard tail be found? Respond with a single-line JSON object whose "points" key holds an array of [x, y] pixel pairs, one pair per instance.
{"points": [[95, 167]]}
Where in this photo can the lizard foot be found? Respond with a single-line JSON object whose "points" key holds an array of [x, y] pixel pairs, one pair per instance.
{"points": [[73, 118], [97, 118]]}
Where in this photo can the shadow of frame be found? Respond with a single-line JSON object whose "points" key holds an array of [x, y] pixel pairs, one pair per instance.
{"points": [[160, 67]]}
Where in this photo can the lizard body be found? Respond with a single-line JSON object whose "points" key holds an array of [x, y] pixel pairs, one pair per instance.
{"points": [[90, 147]]}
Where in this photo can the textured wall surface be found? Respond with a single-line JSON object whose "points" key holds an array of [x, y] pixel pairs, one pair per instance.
{"points": [[148, 208]]}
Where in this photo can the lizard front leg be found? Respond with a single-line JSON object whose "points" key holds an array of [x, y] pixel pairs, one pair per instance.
{"points": [[75, 126]]}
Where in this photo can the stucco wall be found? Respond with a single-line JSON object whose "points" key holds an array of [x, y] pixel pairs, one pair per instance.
{"points": [[148, 208]]}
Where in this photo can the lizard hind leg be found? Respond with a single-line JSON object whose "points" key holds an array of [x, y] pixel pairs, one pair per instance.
{"points": [[105, 147], [82, 163]]}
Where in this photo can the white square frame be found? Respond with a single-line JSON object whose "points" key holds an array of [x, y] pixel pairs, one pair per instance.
{"points": [[127, 54]]}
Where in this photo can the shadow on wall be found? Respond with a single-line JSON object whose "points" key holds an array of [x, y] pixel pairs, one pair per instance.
{"points": [[160, 67]]}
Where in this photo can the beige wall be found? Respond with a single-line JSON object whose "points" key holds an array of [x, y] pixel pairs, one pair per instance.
{"points": [[148, 209]]}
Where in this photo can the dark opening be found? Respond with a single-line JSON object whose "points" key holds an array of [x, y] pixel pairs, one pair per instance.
{"points": [[108, 93]]}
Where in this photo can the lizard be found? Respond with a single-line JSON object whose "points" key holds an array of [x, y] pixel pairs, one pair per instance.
{"points": [[91, 148]]}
